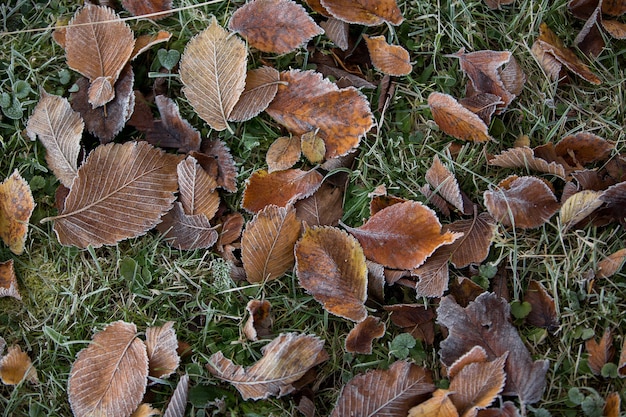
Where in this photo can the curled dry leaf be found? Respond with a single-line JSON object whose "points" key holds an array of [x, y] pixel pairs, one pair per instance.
{"points": [[323, 208], [224, 162], [485, 322], [261, 88], [362, 335], [187, 231], [172, 131], [578, 206], [145, 42], [611, 264], [621, 366], [109, 377], [364, 12], [390, 392], [543, 313], [16, 207], [402, 236], [178, 402], [388, 59], [161, 345], [524, 157], [279, 188], [121, 191], [283, 153], [483, 104], [330, 265], [143, 7], [439, 405], [307, 102], [98, 50], [600, 353], [232, 224], [583, 148], [213, 73], [197, 191], [8, 283], [267, 243], [259, 322], [414, 319], [285, 360], [278, 26], [455, 120], [16, 367], [59, 129], [444, 183], [524, 202]]}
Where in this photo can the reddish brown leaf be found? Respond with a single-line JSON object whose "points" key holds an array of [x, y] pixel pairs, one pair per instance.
{"points": [[388, 59], [142, 7], [330, 265], [614, 7], [261, 87], [307, 102], [8, 282], [444, 183], [600, 353], [172, 131], [414, 319], [455, 120], [267, 243], [473, 246], [612, 405], [434, 199], [317, 7], [161, 345], [279, 188], [223, 160], [615, 28], [402, 236], [543, 313], [524, 202], [278, 26], [283, 153], [364, 12], [323, 208], [187, 231], [362, 335], [337, 31], [495, 4], [508, 409], [590, 40], [145, 42], [433, 274], [621, 366], [259, 322], [524, 157], [583, 148], [464, 290], [615, 199], [197, 189], [380, 202], [389, 392], [483, 104], [611, 264], [232, 225], [16, 206]]}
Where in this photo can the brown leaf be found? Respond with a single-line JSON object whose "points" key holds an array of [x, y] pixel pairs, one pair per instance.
{"points": [[433, 274], [388, 59], [283, 153], [259, 322], [364, 12], [414, 319], [16, 206], [402, 236], [455, 120], [524, 202], [187, 231], [578, 206], [473, 246], [60, 130], [279, 188], [323, 208], [278, 26], [612, 405], [590, 40], [143, 7], [197, 191], [483, 104], [227, 171], [8, 283], [465, 290], [330, 265], [621, 366], [524, 157], [213, 73], [614, 7], [98, 50], [285, 360], [495, 4], [307, 102], [337, 31], [615, 199], [109, 376], [121, 191], [178, 402], [268, 242], [434, 199], [583, 148], [375, 282], [611, 264], [232, 225], [600, 353], [145, 42], [172, 131], [362, 335], [543, 313], [551, 53], [485, 322], [439, 405], [145, 410], [306, 406], [16, 366], [261, 88], [313, 147], [105, 122], [390, 392], [161, 345], [444, 183], [508, 409], [615, 28]]}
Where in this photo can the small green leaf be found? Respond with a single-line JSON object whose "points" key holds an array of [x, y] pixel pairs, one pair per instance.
{"points": [[400, 345], [65, 76], [575, 396], [520, 309], [14, 111], [37, 183], [593, 406], [128, 268], [21, 89], [609, 370], [168, 59], [5, 100], [488, 270]]}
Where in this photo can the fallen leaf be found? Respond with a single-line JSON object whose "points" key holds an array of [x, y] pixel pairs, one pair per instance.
{"points": [[213, 73], [580, 205], [60, 130], [306, 406], [388, 59], [485, 322], [323, 208], [508, 409], [172, 131], [98, 50], [464, 290], [523, 202], [8, 283], [473, 246], [259, 322], [145, 42], [196, 187], [611, 264], [524, 157], [402, 236], [583, 148], [615, 28], [375, 282], [337, 31], [278, 26], [495, 4], [145, 410], [285, 360], [444, 183], [615, 199], [227, 171], [307, 102], [612, 405], [279, 188], [267, 243], [121, 191], [414, 319], [484, 105], [614, 7], [283, 153], [379, 202], [178, 402], [434, 199], [16, 367], [543, 313], [313, 147], [364, 12], [362, 335], [232, 225], [433, 274], [109, 376], [600, 353], [161, 345], [187, 231], [390, 392], [621, 366], [16, 207], [330, 265], [147, 7], [261, 88], [439, 405], [455, 120], [590, 40]]}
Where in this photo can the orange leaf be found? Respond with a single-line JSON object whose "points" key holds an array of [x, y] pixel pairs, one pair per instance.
{"points": [[330, 265], [161, 345], [196, 187], [439, 405], [455, 120], [543, 313], [259, 322], [600, 353], [402, 236], [261, 88], [8, 282], [145, 410], [612, 405], [145, 42], [524, 157], [278, 26], [611, 264], [388, 59], [621, 366], [615, 28], [16, 206], [16, 366], [142, 7], [187, 231], [267, 243], [279, 188], [362, 335], [310, 103], [364, 12], [283, 153]]}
